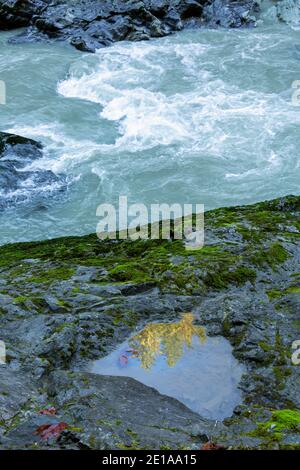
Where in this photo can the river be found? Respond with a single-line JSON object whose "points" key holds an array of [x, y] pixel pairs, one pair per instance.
{"points": [[202, 116]]}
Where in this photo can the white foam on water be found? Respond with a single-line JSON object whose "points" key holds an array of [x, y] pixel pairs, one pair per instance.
{"points": [[132, 84], [61, 153], [207, 116], [30, 191], [202, 116]]}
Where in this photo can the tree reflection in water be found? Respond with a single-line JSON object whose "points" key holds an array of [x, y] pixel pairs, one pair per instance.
{"points": [[167, 339]]}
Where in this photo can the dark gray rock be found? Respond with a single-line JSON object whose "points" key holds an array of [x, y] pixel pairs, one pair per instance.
{"points": [[119, 412], [102, 413], [18, 184], [90, 24], [17, 391], [226, 14]]}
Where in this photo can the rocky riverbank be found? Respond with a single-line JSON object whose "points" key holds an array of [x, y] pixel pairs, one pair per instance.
{"points": [[66, 302], [90, 24]]}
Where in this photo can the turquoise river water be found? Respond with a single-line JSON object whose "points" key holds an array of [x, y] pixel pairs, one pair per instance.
{"points": [[202, 116]]}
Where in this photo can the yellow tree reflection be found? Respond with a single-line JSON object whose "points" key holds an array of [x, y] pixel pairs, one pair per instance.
{"points": [[168, 339]]}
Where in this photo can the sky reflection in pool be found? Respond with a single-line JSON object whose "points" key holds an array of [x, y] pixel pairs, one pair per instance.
{"points": [[180, 361]]}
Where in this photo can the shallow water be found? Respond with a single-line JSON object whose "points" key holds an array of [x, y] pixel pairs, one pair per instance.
{"points": [[198, 117], [178, 360]]}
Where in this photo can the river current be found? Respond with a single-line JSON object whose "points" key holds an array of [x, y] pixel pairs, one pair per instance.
{"points": [[202, 116]]}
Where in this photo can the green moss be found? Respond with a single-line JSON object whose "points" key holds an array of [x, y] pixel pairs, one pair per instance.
{"points": [[132, 433], [20, 299], [75, 429], [123, 317], [274, 256], [289, 446], [293, 290], [76, 290], [62, 326], [164, 263], [280, 422], [281, 373], [51, 275], [265, 346], [266, 221], [277, 254], [63, 303], [280, 349], [129, 272], [56, 249], [220, 279], [135, 443], [92, 441], [295, 275], [274, 294], [241, 275]]}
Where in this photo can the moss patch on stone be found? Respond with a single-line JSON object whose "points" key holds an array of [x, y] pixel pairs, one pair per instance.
{"points": [[280, 422]]}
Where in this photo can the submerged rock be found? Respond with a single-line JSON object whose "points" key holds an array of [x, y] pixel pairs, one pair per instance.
{"points": [[286, 11], [89, 24], [69, 301], [19, 181]]}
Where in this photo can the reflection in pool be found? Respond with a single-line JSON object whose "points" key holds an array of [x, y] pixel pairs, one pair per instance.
{"points": [[180, 361]]}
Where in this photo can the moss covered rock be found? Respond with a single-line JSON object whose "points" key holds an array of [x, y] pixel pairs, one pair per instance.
{"points": [[67, 301]]}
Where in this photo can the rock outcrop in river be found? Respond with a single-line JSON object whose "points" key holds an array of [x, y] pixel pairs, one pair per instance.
{"points": [[66, 302], [19, 181], [90, 24]]}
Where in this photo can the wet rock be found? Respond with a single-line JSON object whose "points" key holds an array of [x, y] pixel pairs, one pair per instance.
{"points": [[25, 434], [113, 412], [19, 182], [89, 24], [16, 14], [67, 302], [19, 398], [229, 14], [99, 414], [16, 392], [287, 11], [20, 146], [291, 440]]}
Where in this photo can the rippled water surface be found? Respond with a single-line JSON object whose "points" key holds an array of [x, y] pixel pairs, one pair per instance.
{"points": [[201, 116]]}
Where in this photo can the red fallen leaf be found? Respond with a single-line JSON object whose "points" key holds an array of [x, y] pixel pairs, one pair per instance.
{"points": [[123, 359], [51, 431], [212, 446], [48, 411]]}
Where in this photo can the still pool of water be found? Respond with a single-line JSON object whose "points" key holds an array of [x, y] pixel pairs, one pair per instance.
{"points": [[203, 116], [180, 361]]}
